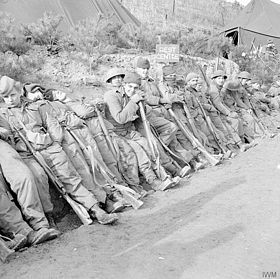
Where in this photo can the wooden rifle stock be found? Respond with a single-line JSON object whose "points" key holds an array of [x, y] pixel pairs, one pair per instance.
{"points": [[194, 141], [152, 143], [211, 127], [106, 133], [129, 195], [78, 208]]}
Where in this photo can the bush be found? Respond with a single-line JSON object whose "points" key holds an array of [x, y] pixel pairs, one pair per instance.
{"points": [[257, 65], [45, 31], [10, 37]]}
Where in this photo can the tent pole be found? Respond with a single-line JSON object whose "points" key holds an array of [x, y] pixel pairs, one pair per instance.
{"points": [[238, 34]]}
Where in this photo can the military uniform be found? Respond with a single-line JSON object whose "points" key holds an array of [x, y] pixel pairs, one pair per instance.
{"points": [[45, 134], [22, 184], [121, 112], [274, 94], [233, 125], [126, 161], [11, 221]]}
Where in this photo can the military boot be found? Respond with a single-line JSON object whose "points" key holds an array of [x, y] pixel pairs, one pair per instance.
{"points": [[18, 242], [102, 217]]}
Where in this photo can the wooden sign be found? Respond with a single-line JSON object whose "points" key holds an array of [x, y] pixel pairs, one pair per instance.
{"points": [[167, 53]]}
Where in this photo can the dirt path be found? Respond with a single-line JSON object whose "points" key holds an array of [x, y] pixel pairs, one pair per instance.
{"points": [[222, 223]]}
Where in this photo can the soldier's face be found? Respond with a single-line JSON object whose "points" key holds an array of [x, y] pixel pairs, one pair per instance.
{"points": [[143, 73], [255, 85], [130, 88], [34, 96], [13, 98], [220, 81], [170, 78], [244, 81], [193, 82], [199, 87], [116, 81]]}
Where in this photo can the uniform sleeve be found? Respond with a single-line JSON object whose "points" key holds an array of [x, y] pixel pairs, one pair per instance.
{"points": [[5, 129], [152, 93], [54, 130], [121, 114], [216, 100], [84, 111]]}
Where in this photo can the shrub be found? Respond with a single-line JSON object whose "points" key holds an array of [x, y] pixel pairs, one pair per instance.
{"points": [[45, 31], [10, 37]]}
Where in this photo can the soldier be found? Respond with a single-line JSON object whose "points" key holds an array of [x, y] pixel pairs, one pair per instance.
{"points": [[191, 100], [45, 135], [228, 117], [71, 123], [174, 95], [121, 110], [22, 185], [12, 224], [159, 116], [39, 174], [274, 93], [261, 104], [220, 129], [244, 108]]}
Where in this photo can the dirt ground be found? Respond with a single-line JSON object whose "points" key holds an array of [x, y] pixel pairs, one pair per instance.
{"points": [[224, 222]]}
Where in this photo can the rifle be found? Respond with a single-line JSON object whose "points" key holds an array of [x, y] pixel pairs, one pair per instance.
{"points": [[106, 133], [191, 121], [206, 117], [5, 252], [78, 208], [256, 118], [152, 143], [129, 195], [194, 141]]}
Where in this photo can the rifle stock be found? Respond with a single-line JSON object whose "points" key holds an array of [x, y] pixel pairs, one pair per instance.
{"points": [[152, 143], [77, 208], [211, 127], [106, 133], [129, 195], [194, 141]]}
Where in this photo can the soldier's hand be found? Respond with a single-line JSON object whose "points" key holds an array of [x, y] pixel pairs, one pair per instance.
{"points": [[175, 99], [233, 114], [165, 100], [137, 97]]}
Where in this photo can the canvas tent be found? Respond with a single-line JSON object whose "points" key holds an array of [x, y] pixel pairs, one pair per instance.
{"points": [[258, 22], [27, 11]]}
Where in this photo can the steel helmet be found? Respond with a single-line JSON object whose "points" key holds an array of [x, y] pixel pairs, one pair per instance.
{"points": [[232, 85], [113, 72], [244, 75], [219, 73]]}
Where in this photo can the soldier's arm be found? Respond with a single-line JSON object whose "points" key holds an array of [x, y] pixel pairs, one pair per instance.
{"points": [[121, 114], [5, 129], [152, 94], [50, 122], [216, 100], [82, 110], [238, 101]]}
